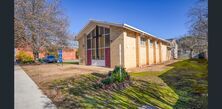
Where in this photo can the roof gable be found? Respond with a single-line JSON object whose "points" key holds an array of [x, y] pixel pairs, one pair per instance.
{"points": [[92, 23]]}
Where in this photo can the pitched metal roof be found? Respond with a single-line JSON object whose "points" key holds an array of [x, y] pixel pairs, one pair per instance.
{"points": [[126, 26]]}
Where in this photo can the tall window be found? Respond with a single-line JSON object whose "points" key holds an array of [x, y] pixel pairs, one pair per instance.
{"points": [[107, 37], [143, 41], [97, 40], [157, 44], [93, 53], [93, 42], [151, 43], [101, 30]]}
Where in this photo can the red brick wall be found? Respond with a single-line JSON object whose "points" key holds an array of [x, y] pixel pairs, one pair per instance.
{"points": [[68, 54], [29, 52]]}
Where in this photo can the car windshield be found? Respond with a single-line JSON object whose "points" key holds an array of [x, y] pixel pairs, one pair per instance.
{"points": [[51, 56]]}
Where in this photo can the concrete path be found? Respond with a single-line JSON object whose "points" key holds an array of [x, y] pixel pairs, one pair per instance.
{"points": [[27, 93]]}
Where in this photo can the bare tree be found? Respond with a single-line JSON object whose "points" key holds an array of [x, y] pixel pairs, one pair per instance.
{"points": [[42, 23], [188, 43], [197, 38], [199, 24], [19, 33]]}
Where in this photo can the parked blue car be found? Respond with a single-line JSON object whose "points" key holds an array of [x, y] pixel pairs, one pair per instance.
{"points": [[50, 59]]}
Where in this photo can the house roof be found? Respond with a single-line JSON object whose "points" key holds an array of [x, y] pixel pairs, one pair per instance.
{"points": [[126, 26], [170, 39]]}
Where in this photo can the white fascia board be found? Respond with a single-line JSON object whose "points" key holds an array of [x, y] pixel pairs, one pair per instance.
{"points": [[98, 22], [107, 23], [131, 27]]}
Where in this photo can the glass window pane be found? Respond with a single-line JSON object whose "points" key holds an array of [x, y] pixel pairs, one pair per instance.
{"points": [[142, 41], [93, 33], [101, 30], [93, 54], [97, 54], [101, 54], [151, 43], [94, 43], [107, 40], [107, 31], [102, 41], [88, 43], [99, 57], [157, 45], [88, 36]]}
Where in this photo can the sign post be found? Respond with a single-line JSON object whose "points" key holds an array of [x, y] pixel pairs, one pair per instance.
{"points": [[60, 56]]}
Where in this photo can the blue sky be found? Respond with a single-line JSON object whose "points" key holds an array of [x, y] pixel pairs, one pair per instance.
{"points": [[163, 18]]}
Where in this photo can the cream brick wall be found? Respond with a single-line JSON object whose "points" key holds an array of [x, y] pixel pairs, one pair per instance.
{"points": [[82, 51], [142, 54], [115, 32], [117, 38], [157, 55], [151, 55], [130, 50], [164, 52], [127, 39]]}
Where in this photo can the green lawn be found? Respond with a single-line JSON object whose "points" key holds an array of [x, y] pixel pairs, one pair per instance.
{"points": [[189, 79], [182, 85], [70, 62]]}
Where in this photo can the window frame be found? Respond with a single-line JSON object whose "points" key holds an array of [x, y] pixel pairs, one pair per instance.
{"points": [[157, 44], [92, 33], [151, 43], [143, 41]]}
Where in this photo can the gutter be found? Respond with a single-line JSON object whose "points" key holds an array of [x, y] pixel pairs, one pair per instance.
{"points": [[143, 32]]}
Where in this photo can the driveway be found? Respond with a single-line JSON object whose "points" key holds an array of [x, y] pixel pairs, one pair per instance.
{"points": [[27, 93]]}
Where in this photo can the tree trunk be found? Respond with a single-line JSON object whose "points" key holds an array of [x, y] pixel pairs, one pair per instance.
{"points": [[36, 55], [191, 53]]}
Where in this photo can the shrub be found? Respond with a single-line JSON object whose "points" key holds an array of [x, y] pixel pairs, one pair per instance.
{"points": [[119, 74], [41, 60], [107, 81], [24, 58]]}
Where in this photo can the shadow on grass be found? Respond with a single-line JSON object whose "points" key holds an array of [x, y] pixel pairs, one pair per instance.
{"points": [[80, 93], [185, 86], [189, 79]]}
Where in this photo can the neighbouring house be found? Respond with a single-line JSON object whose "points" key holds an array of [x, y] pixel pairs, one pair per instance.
{"points": [[110, 44], [174, 48], [28, 51], [67, 54]]}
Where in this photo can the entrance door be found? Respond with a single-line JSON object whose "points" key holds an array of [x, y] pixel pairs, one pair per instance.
{"points": [[98, 62], [98, 57]]}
